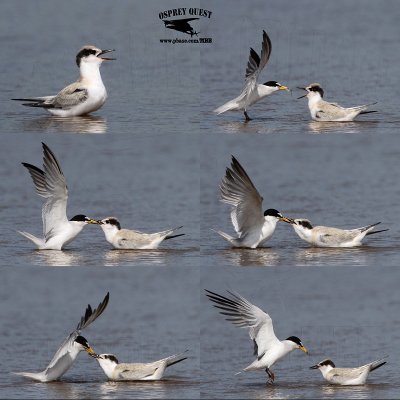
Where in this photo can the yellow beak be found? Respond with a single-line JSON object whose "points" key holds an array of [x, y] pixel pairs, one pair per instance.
{"points": [[285, 219], [92, 221], [302, 348], [282, 87], [90, 350]]}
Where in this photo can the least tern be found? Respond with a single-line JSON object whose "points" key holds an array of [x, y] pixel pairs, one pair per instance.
{"points": [[322, 110], [267, 347], [82, 97], [73, 344], [325, 236], [135, 371], [50, 183], [133, 240], [252, 91], [253, 226], [347, 376]]}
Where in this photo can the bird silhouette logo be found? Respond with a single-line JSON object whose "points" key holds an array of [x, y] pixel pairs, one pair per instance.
{"points": [[181, 25]]}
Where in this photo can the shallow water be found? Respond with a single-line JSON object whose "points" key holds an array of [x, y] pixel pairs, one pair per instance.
{"points": [[138, 158], [346, 314], [147, 318]]}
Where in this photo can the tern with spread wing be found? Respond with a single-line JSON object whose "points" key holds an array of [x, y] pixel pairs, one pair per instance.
{"points": [[325, 236], [267, 347], [253, 226], [347, 376], [70, 348], [82, 97], [324, 111], [252, 91], [152, 371], [50, 183], [127, 239]]}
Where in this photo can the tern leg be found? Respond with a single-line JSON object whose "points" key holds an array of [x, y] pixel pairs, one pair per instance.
{"points": [[246, 116], [271, 376]]}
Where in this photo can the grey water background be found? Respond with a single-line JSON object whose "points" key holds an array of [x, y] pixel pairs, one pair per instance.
{"points": [[138, 158], [152, 87], [347, 314], [307, 177], [349, 47], [148, 318]]}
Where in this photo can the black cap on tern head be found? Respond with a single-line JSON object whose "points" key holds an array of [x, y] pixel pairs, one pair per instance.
{"points": [[316, 87], [113, 221], [80, 218], [327, 362], [85, 52], [110, 357], [272, 212], [272, 84], [304, 223], [295, 339], [81, 340]]}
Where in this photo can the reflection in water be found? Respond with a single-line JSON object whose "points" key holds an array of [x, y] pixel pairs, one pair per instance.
{"points": [[337, 256], [338, 127], [150, 257], [82, 124], [240, 127], [57, 258], [115, 257], [347, 392], [142, 389], [260, 257]]}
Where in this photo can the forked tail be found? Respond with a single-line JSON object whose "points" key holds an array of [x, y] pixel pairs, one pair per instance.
{"points": [[370, 230], [31, 375], [38, 241], [377, 364], [169, 234], [230, 105], [175, 359], [227, 237]]}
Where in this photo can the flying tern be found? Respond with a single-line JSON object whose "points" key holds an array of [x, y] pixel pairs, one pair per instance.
{"points": [[252, 91], [82, 97], [73, 344], [267, 347], [253, 226], [324, 236], [50, 183], [152, 371], [347, 376], [324, 111], [133, 240]]}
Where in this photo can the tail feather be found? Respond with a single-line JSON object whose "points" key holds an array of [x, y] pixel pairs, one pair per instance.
{"points": [[227, 237], [37, 102], [171, 231], [174, 236], [368, 112], [376, 366], [378, 363], [38, 241], [32, 375], [368, 227], [373, 232], [230, 105], [176, 358]]}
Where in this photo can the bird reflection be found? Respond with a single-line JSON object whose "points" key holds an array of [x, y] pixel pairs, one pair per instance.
{"points": [[261, 257], [114, 257], [337, 127], [56, 258], [82, 124], [142, 389], [331, 256]]}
